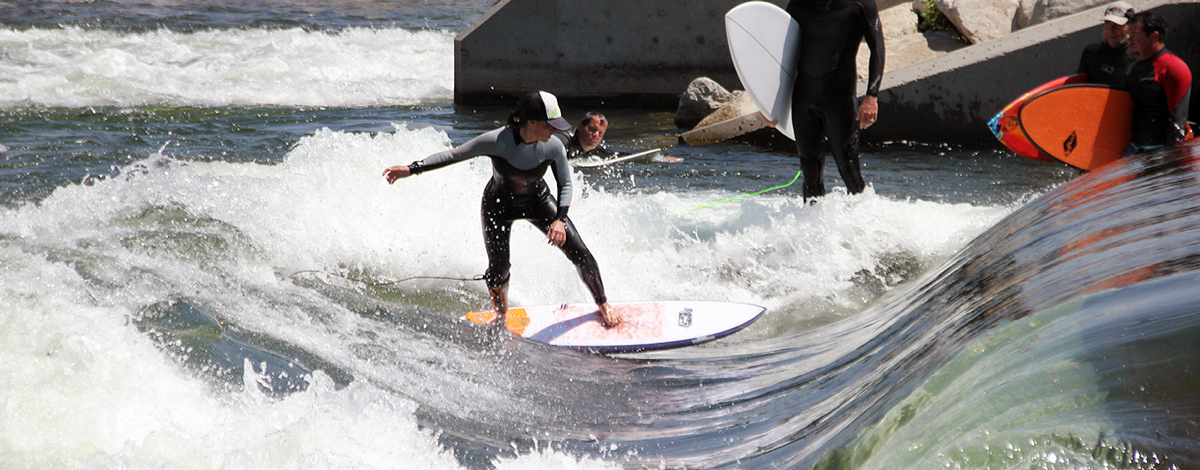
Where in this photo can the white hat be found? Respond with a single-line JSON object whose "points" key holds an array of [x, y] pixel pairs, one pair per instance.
{"points": [[542, 106], [1115, 12]]}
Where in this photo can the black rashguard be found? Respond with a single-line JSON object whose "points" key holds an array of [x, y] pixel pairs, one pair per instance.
{"points": [[823, 98], [575, 149], [518, 190], [1105, 64]]}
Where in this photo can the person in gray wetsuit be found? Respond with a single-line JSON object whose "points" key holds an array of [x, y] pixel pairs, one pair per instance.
{"points": [[521, 152], [823, 103]]}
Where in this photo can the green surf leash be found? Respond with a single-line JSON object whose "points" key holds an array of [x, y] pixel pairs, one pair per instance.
{"points": [[702, 206]]}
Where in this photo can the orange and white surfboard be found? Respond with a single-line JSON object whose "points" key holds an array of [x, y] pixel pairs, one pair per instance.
{"points": [[645, 326]]}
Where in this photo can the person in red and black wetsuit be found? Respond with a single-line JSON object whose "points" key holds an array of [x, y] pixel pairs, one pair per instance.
{"points": [[823, 101], [521, 153], [1160, 83]]}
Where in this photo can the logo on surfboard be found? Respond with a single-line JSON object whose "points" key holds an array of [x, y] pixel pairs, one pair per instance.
{"points": [[1069, 144], [685, 318]]}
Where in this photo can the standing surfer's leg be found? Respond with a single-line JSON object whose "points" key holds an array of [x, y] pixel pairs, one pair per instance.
{"points": [[809, 137], [497, 230], [841, 125], [579, 255]]}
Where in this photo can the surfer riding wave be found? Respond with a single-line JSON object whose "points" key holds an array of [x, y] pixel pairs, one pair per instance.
{"points": [[521, 152]]}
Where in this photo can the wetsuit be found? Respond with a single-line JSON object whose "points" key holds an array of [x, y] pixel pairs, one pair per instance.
{"points": [[575, 149], [1105, 64], [823, 101], [517, 190], [1161, 87]]}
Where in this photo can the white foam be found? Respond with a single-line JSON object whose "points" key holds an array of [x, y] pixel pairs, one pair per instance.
{"points": [[73, 67], [77, 366]]}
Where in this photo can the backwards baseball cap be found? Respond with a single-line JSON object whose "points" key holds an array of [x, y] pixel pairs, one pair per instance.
{"points": [[1115, 12], [542, 106]]}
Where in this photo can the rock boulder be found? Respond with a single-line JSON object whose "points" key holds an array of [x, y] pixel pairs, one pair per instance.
{"points": [[702, 97]]}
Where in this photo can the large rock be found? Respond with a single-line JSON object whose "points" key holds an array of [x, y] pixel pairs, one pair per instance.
{"points": [[703, 96], [981, 20], [1033, 12], [740, 105]]}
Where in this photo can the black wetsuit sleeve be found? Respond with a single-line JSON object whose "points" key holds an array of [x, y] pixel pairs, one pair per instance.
{"points": [[603, 150], [873, 34]]}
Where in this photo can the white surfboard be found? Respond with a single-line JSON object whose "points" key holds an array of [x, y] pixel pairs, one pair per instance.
{"points": [[645, 326], [648, 154], [763, 40]]}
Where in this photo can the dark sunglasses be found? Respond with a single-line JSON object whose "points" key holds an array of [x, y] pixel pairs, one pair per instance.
{"points": [[1129, 14]]}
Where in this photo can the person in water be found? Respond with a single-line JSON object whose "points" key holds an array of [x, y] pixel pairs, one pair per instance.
{"points": [[823, 98], [588, 138], [1160, 84], [1106, 61], [521, 152]]}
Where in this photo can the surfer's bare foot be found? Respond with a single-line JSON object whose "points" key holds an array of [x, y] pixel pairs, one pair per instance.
{"points": [[500, 321], [609, 316]]}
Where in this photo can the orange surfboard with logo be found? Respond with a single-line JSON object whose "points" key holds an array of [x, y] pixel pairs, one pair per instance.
{"points": [[645, 326], [1006, 125], [1086, 126]]}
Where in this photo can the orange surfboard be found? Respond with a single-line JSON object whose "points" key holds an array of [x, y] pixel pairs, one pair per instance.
{"points": [[1086, 126], [1006, 125]]}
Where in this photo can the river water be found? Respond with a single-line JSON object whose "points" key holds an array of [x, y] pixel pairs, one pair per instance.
{"points": [[201, 267]]}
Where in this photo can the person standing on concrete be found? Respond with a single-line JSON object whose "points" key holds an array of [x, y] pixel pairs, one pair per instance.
{"points": [[1105, 61], [587, 139], [1160, 84], [823, 98], [521, 152]]}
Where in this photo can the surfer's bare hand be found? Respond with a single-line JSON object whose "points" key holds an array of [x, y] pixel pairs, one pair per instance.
{"points": [[868, 112], [769, 122], [557, 233], [609, 316], [396, 172]]}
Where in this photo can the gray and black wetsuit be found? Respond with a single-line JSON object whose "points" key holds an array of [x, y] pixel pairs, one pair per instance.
{"points": [[823, 101], [517, 190]]}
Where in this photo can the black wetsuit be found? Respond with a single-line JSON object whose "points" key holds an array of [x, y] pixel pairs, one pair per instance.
{"points": [[1161, 87], [575, 149], [1105, 64], [517, 190], [823, 101]]}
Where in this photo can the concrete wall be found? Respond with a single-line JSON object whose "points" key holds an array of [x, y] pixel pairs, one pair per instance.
{"points": [[612, 52], [951, 99]]}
